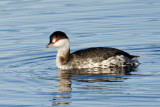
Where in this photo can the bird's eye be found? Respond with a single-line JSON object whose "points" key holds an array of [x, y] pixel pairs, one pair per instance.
{"points": [[56, 40]]}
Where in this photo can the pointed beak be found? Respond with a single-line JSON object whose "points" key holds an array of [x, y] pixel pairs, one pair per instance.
{"points": [[49, 45]]}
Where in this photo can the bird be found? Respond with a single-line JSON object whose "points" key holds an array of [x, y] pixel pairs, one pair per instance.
{"points": [[93, 57]]}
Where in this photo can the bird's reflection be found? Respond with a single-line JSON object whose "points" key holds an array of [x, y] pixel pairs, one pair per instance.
{"points": [[65, 77]]}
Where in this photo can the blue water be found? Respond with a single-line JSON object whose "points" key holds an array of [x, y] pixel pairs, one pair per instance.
{"points": [[29, 76]]}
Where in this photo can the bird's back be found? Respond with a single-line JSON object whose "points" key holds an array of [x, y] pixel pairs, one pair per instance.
{"points": [[101, 52]]}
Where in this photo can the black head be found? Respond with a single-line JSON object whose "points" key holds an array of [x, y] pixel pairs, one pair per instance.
{"points": [[55, 37], [58, 35]]}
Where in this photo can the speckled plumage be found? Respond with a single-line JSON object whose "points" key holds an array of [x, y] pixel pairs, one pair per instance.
{"points": [[101, 52]]}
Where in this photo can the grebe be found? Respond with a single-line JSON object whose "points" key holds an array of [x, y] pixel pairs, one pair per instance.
{"points": [[102, 57]]}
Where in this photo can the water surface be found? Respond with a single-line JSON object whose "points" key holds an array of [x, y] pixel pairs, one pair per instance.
{"points": [[29, 76]]}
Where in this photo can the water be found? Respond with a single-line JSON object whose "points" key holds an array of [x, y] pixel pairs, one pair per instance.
{"points": [[29, 76]]}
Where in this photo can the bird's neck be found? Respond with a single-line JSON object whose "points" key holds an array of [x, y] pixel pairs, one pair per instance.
{"points": [[63, 55]]}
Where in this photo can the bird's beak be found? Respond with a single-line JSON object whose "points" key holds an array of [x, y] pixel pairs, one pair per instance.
{"points": [[49, 45]]}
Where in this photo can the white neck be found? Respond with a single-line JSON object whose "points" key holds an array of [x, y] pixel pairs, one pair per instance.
{"points": [[63, 50], [63, 47]]}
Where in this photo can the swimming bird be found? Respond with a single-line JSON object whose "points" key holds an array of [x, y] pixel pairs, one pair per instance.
{"points": [[95, 57]]}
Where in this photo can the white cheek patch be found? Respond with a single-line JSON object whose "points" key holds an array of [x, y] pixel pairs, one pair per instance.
{"points": [[62, 43], [54, 40], [58, 43]]}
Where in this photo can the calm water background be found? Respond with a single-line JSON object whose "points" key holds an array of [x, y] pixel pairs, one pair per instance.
{"points": [[28, 74]]}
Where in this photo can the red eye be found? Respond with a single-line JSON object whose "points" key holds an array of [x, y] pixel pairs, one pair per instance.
{"points": [[56, 40]]}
